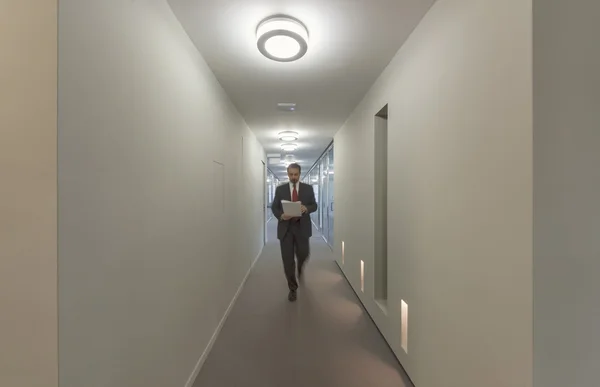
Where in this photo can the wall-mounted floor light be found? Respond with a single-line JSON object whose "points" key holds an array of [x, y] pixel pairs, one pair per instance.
{"points": [[404, 322], [362, 276]]}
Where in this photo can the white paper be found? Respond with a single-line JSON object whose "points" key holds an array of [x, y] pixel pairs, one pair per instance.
{"points": [[291, 208]]}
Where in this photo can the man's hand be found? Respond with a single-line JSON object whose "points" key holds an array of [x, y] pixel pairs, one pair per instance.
{"points": [[286, 217], [303, 209]]}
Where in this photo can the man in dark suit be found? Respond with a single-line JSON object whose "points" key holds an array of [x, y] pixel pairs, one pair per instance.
{"points": [[294, 232]]}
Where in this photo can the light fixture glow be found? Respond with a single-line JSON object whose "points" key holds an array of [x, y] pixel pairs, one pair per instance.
{"points": [[283, 47], [362, 276], [288, 136], [404, 327], [282, 39], [288, 147], [287, 160]]}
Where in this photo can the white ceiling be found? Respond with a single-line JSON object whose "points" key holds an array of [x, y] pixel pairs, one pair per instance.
{"points": [[350, 43]]}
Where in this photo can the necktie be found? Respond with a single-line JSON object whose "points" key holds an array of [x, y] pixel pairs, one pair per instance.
{"points": [[295, 199]]}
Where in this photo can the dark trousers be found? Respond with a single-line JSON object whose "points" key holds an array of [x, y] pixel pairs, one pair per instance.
{"points": [[294, 244]]}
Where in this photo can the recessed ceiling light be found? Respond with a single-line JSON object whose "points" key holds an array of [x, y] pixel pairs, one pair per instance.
{"points": [[288, 147], [288, 136], [282, 39], [286, 106]]}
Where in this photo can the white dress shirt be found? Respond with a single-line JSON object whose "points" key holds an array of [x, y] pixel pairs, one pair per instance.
{"points": [[292, 192]]}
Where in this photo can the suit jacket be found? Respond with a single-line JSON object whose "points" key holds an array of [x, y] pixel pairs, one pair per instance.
{"points": [[306, 195]]}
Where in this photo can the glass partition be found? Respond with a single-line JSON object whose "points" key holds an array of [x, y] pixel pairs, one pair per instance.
{"points": [[330, 197], [324, 196], [320, 176], [272, 183], [314, 181]]}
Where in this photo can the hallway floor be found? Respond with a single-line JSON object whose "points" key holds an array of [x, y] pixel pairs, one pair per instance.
{"points": [[324, 339]]}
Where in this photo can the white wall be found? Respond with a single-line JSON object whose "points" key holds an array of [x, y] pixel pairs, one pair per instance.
{"points": [[459, 195], [28, 320], [567, 191], [154, 236]]}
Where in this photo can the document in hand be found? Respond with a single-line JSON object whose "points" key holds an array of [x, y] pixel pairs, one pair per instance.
{"points": [[291, 208]]}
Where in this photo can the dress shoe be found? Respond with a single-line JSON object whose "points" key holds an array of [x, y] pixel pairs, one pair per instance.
{"points": [[292, 296]]}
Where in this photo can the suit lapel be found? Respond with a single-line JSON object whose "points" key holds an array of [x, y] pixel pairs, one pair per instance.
{"points": [[286, 193], [306, 190], [301, 192]]}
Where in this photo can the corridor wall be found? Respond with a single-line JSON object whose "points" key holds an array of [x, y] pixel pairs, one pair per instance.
{"points": [[28, 256], [459, 198], [566, 59], [160, 197]]}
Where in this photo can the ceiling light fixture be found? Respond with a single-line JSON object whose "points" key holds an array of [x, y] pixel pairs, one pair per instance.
{"points": [[288, 136], [289, 147], [286, 106], [282, 38]]}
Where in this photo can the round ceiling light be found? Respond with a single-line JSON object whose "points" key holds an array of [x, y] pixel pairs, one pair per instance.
{"points": [[288, 136], [288, 147], [282, 39]]}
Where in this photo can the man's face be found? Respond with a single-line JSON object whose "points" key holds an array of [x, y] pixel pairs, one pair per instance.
{"points": [[293, 175]]}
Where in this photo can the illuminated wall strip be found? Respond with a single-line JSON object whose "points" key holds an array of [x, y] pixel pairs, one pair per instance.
{"points": [[343, 253], [362, 276], [404, 333]]}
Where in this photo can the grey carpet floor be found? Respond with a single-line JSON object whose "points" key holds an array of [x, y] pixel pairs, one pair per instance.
{"points": [[324, 339]]}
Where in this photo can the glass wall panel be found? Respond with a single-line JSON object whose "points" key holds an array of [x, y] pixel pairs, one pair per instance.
{"points": [[324, 196], [314, 181], [320, 176], [330, 198], [267, 199], [272, 183]]}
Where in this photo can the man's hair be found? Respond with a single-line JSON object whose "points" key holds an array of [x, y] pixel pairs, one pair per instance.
{"points": [[294, 166]]}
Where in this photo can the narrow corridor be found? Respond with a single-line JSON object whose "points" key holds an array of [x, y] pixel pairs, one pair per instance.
{"points": [[325, 339]]}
